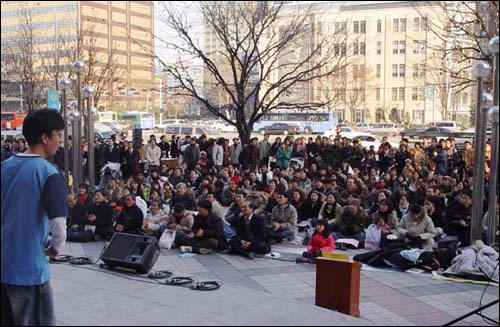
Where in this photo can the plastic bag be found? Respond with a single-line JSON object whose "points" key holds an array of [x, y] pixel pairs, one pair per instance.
{"points": [[373, 235], [167, 238]]}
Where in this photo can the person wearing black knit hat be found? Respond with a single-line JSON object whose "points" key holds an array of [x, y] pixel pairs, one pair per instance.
{"points": [[208, 232]]}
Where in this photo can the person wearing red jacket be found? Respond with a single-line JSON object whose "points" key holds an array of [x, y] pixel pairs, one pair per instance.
{"points": [[321, 241]]}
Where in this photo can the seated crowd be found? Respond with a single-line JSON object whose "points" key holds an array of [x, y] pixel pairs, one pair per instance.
{"points": [[242, 199]]}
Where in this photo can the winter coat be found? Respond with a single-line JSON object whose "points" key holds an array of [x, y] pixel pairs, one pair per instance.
{"points": [[184, 224], [218, 155], [475, 262], [319, 243], [234, 153], [424, 227], [153, 155], [350, 223], [333, 215], [286, 216], [282, 157], [155, 221]]}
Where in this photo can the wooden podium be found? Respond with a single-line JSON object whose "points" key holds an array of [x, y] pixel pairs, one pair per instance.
{"points": [[170, 162], [337, 285]]}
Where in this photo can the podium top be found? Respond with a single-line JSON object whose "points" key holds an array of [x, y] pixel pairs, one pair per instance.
{"points": [[355, 264]]}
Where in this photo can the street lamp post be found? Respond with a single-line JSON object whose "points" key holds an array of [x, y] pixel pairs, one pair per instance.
{"points": [[78, 66], [64, 85], [493, 117], [88, 93], [480, 70], [73, 117]]}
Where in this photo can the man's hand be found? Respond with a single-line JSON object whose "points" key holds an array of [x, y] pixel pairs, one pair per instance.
{"points": [[172, 226], [119, 228], [145, 224], [51, 253], [276, 227], [199, 233], [462, 222]]}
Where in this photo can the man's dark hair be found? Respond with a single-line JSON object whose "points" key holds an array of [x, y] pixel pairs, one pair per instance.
{"points": [[39, 122], [205, 204], [467, 193]]}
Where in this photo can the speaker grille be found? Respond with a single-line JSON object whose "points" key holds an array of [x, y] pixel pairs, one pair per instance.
{"points": [[120, 246]]}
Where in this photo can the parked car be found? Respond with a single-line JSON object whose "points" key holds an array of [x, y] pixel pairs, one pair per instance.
{"points": [[280, 128], [409, 131], [430, 132], [160, 126], [363, 126], [390, 129], [449, 124], [117, 128], [219, 126], [342, 129], [368, 140], [185, 129]]}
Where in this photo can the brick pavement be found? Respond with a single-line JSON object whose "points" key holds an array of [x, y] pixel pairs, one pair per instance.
{"points": [[261, 291]]}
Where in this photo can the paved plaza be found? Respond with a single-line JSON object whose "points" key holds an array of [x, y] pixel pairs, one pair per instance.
{"points": [[255, 292]]}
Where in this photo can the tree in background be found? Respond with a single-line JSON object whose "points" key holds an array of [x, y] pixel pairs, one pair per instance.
{"points": [[270, 57]]}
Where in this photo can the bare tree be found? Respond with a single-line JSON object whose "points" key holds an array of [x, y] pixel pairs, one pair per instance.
{"points": [[462, 30], [356, 89], [257, 66], [20, 60]]}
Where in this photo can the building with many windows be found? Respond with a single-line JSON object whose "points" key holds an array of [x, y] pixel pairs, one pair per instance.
{"points": [[394, 67], [113, 38]]}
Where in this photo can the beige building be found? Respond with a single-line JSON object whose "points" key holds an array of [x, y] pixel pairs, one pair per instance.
{"points": [[109, 36], [395, 67]]}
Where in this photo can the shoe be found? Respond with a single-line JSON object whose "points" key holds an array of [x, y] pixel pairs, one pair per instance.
{"points": [[205, 251], [343, 247], [305, 254], [301, 260], [251, 255], [187, 249]]}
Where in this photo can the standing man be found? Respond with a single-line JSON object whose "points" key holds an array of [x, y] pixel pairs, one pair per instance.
{"points": [[264, 150], [26, 294]]}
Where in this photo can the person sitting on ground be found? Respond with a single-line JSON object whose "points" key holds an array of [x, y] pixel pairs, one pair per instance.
{"points": [[330, 210], [178, 177], [130, 218], [298, 201], [258, 199], [208, 232], [235, 208], [313, 205], [101, 215], [387, 213], [321, 241], [184, 196], [458, 217], [181, 220], [417, 228], [84, 197], [155, 220], [250, 233], [283, 222], [352, 222]]}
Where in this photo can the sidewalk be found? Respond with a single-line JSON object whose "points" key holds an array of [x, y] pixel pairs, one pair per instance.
{"points": [[255, 292]]}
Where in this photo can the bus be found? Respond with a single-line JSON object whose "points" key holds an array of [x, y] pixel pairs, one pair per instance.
{"points": [[11, 120], [309, 120], [108, 117], [138, 119]]}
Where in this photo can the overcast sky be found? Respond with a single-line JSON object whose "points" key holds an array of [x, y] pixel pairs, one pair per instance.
{"points": [[193, 15]]}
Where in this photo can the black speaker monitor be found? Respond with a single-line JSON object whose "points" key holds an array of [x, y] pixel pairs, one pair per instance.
{"points": [[131, 251]]}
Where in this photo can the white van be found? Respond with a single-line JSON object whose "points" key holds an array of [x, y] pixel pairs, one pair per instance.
{"points": [[449, 124]]}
